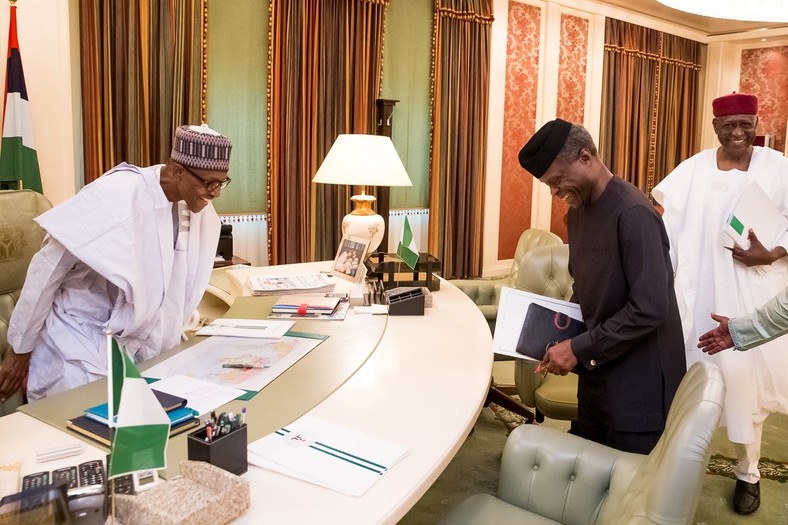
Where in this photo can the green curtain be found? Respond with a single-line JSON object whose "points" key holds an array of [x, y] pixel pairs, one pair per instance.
{"points": [[460, 92], [142, 76], [650, 100], [324, 75]]}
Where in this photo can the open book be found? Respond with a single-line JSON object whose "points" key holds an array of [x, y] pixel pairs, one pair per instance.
{"points": [[756, 211]]}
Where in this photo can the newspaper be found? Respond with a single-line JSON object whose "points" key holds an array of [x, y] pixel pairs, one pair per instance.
{"points": [[280, 284]]}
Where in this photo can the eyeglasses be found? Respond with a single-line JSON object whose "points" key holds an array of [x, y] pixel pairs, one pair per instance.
{"points": [[210, 185]]}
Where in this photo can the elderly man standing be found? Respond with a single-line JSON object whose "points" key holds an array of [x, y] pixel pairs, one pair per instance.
{"points": [[713, 276], [132, 253], [630, 361]]}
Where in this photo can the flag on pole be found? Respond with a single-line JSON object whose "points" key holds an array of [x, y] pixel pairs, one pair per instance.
{"points": [[142, 428], [406, 249], [18, 159]]}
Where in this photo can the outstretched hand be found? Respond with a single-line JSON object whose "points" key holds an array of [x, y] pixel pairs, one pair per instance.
{"points": [[12, 372], [718, 339], [756, 254]]}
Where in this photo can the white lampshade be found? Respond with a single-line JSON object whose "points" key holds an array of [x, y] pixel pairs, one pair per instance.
{"points": [[748, 11], [363, 160]]}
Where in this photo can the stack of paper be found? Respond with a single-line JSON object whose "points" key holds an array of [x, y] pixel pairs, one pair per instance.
{"points": [[274, 285], [326, 454], [255, 328], [306, 304]]}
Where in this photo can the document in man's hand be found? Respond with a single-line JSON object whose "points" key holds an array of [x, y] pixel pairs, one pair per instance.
{"points": [[326, 454], [756, 211], [513, 307]]}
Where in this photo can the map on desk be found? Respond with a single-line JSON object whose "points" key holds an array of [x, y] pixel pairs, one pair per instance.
{"points": [[217, 359]]}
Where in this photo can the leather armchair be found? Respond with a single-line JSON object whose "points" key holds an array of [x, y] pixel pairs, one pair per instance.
{"points": [[550, 477], [20, 239], [486, 293], [544, 270]]}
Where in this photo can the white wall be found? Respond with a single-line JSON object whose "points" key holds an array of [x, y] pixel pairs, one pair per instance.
{"points": [[45, 42]]}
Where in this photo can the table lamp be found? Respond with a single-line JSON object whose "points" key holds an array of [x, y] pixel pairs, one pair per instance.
{"points": [[363, 160]]}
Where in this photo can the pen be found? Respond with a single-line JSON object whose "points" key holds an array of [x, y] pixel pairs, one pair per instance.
{"points": [[242, 365], [540, 367], [243, 416]]}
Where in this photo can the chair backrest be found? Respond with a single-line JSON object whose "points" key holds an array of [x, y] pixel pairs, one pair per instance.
{"points": [[20, 239], [529, 239], [667, 485], [544, 270]]}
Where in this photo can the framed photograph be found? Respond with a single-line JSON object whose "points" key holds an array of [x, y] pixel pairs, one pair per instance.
{"points": [[349, 261]]}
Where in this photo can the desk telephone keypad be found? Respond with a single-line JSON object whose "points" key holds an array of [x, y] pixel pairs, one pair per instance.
{"points": [[67, 476], [32, 481]]}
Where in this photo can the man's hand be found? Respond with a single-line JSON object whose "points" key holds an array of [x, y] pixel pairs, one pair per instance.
{"points": [[12, 372], [718, 339], [559, 358], [757, 254]]}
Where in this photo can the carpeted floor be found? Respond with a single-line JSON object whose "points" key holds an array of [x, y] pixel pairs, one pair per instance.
{"points": [[475, 469]]}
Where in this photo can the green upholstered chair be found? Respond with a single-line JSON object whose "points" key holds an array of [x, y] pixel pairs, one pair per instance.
{"points": [[552, 477], [544, 270], [20, 239], [486, 293]]}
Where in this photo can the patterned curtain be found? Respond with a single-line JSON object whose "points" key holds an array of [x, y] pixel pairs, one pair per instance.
{"points": [[142, 76], [460, 92], [650, 100], [325, 66]]}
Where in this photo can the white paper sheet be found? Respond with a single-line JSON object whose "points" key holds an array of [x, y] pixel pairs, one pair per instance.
{"points": [[326, 454], [511, 315], [254, 328], [200, 395]]}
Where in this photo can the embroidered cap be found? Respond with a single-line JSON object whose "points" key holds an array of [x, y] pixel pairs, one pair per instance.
{"points": [[539, 153], [202, 148], [735, 104]]}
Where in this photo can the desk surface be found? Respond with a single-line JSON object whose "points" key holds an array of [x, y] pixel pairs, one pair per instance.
{"points": [[418, 381]]}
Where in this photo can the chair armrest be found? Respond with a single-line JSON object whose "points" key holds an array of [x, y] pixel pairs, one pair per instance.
{"points": [[560, 476], [481, 291], [526, 380]]}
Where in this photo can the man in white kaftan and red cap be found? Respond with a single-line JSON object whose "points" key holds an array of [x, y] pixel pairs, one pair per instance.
{"points": [[132, 253], [714, 276]]}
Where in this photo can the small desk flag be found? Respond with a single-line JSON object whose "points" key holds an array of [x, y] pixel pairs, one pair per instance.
{"points": [[140, 438], [406, 249], [18, 158]]}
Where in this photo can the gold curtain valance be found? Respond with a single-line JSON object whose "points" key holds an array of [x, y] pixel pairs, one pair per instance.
{"points": [[652, 56]]}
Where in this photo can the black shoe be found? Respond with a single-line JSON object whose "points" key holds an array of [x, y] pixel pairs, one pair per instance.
{"points": [[747, 497]]}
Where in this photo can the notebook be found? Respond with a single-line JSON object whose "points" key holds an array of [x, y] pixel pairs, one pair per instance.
{"points": [[100, 432]]}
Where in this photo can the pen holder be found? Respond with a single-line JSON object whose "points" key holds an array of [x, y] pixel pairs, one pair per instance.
{"points": [[227, 452]]}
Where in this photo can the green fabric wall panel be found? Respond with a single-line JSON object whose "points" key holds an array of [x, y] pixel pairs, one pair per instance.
{"points": [[237, 63], [406, 77]]}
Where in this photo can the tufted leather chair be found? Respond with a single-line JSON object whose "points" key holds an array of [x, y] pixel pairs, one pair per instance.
{"points": [[486, 293], [20, 239], [545, 271], [550, 477]]}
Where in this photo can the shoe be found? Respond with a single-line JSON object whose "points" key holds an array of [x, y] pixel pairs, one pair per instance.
{"points": [[747, 497]]}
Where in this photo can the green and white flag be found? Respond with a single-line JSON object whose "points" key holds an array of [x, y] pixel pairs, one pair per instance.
{"points": [[406, 249], [142, 428], [18, 158]]}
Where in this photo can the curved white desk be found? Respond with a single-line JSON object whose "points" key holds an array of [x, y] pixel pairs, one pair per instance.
{"points": [[423, 386]]}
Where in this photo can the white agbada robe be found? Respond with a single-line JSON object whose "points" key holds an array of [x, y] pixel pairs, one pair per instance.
{"points": [[697, 197], [111, 261]]}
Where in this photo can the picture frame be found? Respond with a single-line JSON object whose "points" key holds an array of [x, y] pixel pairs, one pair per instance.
{"points": [[349, 261]]}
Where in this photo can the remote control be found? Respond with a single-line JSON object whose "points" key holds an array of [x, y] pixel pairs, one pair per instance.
{"points": [[67, 476], [91, 473], [39, 479]]}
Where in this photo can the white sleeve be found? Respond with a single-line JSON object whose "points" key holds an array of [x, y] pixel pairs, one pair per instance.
{"points": [[47, 270]]}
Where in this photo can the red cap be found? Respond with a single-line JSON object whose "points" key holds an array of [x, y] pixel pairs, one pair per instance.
{"points": [[735, 104]]}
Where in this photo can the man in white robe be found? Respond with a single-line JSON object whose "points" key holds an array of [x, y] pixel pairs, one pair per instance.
{"points": [[714, 276], [132, 253]]}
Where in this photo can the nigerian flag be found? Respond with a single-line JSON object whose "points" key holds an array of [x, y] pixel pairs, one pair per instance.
{"points": [[142, 427], [18, 159], [406, 249]]}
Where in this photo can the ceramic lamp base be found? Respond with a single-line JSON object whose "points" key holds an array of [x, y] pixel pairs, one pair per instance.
{"points": [[363, 222]]}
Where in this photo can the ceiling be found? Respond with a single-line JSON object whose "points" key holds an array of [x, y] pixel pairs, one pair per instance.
{"points": [[708, 25]]}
